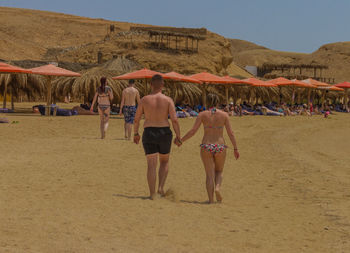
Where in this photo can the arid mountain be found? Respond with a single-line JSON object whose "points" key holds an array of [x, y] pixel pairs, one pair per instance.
{"points": [[39, 35], [48, 36]]}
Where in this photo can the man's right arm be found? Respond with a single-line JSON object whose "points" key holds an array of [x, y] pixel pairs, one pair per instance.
{"points": [[137, 119], [174, 120]]}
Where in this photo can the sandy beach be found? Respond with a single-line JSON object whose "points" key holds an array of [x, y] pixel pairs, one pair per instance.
{"points": [[62, 189]]}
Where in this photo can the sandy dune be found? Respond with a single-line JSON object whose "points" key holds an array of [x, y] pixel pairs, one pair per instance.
{"points": [[64, 190]]}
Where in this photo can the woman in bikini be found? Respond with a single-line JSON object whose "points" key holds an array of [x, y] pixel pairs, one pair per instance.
{"points": [[104, 96], [213, 148]]}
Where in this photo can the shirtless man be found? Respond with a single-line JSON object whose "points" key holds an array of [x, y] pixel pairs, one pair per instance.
{"points": [[157, 136], [128, 107]]}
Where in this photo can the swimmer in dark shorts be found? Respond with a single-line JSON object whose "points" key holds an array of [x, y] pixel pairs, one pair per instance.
{"points": [[157, 135], [157, 140]]}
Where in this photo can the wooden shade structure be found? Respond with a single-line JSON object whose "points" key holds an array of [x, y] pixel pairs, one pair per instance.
{"points": [[346, 86], [50, 71], [7, 68], [208, 78]]}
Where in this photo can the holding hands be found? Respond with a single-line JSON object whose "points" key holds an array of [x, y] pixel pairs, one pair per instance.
{"points": [[177, 141]]}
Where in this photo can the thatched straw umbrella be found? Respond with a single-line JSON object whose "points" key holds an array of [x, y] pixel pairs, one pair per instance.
{"points": [[7, 68], [21, 83], [50, 71], [85, 87], [346, 86]]}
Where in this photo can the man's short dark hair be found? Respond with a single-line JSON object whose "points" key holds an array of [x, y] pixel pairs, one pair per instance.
{"points": [[131, 81], [157, 80]]}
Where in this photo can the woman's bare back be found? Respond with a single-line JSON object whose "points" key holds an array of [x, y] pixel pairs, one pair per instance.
{"points": [[213, 123]]}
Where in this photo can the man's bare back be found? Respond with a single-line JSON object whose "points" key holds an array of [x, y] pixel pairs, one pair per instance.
{"points": [[156, 108], [131, 95]]}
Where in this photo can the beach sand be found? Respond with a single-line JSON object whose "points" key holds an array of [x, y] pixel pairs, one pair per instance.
{"points": [[62, 189]]}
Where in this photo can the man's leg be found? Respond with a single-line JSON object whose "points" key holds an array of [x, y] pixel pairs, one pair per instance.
{"points": [[152, 161], [129, 129], [219, 167], [125, 130], [163, 172], [209, 165]]}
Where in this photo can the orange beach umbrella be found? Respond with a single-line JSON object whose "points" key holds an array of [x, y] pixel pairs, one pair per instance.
{"points": [[293, 83], [139, 74], [208, 78], [259, 83], [7, 68], [318, 85], [346, 86], [176, 77], [50, 71], [315, 82], [234, 82], [331, 88], [181, 78]]}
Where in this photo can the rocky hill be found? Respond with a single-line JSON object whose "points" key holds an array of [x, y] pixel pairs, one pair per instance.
{"points": [[39, 35], [48, 36]]}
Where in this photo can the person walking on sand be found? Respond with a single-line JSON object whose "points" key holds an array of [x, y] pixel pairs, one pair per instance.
{"points": [[130, 97], [157, 136], [104, 96], [213, 148]]}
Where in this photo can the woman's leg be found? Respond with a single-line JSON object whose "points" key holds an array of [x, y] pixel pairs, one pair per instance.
{"points": [[102, 122], [106, 121], [209, 166], [219, 167]]}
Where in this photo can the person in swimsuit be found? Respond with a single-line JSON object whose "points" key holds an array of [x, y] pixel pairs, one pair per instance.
{"points": [[104, 96], [213, 148], [128, 106], [157, 136]]}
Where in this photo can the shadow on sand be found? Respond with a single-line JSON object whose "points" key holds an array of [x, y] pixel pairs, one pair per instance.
{"points": [[131, 197], [194, 202]]}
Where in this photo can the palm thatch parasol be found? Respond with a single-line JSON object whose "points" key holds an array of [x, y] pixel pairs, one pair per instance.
{"points": [[7, 68], [17, 84], [84, 88]]}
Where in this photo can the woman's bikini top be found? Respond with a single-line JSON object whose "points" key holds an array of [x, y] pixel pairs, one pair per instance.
{"points": [[214, 127], [104, 94], [213, 111]]}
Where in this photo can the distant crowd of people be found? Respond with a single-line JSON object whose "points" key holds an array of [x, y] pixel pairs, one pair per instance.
{"points": [[267, 109]]}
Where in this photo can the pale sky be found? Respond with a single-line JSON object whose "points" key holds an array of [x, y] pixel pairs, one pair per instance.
{"points": [[288, 25]]}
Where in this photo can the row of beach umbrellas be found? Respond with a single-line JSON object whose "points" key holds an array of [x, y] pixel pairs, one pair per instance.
{"points": [[203, 78]]}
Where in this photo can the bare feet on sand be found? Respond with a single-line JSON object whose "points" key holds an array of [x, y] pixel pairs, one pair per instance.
{"points": [[161, 193], [218, 196]]}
